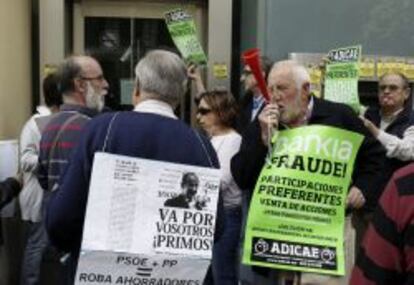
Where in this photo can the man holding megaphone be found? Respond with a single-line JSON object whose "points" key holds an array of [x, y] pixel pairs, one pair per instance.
{"points": [[292, 105]]}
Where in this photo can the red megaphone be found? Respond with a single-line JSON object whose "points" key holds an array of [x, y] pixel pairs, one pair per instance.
{"points": [[251, 58]]}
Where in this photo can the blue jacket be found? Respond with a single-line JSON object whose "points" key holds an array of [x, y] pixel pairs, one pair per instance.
{"points": [[133, 134]]}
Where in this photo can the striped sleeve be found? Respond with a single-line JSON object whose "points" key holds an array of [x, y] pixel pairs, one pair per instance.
{"points": [[383, 257]]}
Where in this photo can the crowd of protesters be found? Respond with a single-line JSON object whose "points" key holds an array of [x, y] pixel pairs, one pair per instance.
{"points": [[57, 147]]}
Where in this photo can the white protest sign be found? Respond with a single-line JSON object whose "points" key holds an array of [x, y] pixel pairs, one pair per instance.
{"points": [[9, 158], [148, 209]]}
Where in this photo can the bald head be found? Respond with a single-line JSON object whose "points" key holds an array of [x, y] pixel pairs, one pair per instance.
{"points": [[297, 72]]}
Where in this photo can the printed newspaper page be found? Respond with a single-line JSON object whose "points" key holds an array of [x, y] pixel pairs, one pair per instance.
{"points": [[148, 220]]}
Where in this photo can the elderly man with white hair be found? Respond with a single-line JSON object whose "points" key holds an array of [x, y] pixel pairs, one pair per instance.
{"points": [[151, 131], [292, 105]]}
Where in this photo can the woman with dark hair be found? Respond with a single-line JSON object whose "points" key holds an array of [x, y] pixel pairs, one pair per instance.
{"points": [[217, 111]]}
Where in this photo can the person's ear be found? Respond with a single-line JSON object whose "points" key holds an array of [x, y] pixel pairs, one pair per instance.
{"points": [[407, 93], [79, 85], [305, 90], [136, 96]]}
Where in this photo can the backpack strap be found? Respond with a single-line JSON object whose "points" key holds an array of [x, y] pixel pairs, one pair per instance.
{"points": [[108, 131], [203, 145]]}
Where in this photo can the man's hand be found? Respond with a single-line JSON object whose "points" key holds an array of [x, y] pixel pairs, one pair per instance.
{"points": [[370, 126], [269, 120], [355, 199]]}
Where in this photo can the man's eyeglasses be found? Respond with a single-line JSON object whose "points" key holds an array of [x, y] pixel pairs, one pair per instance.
{"points": [[391, 87], [203, 111], [99, 78]]}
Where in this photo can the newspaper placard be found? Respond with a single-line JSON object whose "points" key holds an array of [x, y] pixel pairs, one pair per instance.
{"points": [[296, 216], [149, 209], [183, 31], [341, 76]]}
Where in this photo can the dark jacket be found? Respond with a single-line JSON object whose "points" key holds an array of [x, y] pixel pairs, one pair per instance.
{"points": [[181, 201], [245, 112], [248, 162], [9, 189], [397, 128], [178, 202]]}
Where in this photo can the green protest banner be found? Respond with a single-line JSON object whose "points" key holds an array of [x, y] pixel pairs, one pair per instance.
{"points": [[296, 216], [183, 31], [341, 76]]}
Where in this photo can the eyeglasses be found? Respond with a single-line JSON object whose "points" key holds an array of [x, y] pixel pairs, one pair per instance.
{"points": [[203, 111], [391, 87], [99, 78]]}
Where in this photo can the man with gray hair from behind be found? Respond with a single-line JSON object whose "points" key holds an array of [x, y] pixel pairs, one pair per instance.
{"points": [[151, 131]]}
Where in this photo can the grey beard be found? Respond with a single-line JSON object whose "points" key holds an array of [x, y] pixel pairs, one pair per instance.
{"points": [[94, 100]]}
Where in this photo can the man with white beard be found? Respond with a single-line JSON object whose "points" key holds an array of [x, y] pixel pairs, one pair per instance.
{"points": [[83, 87]]}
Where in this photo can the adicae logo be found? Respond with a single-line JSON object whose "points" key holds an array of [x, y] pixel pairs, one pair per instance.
{"points": [[261, 246], [327, 255]]}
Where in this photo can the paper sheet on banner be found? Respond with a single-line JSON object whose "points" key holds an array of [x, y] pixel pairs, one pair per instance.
{"points": [[126, 216]]}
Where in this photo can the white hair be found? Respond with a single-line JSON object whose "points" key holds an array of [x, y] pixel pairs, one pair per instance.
{"points": [[162, 75], [299, 73]]}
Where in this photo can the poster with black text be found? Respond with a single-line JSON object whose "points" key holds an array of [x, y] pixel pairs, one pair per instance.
{"points": [[148, 221]]}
